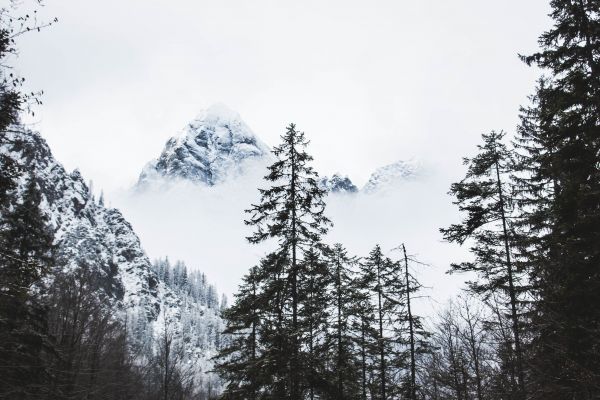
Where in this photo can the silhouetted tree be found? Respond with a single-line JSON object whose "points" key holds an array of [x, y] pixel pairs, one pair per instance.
{"points": [[559, 194], [484, 195], [291, 213]]}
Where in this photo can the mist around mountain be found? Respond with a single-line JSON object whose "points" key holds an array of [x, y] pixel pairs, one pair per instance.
{"points": [[205, 219]]}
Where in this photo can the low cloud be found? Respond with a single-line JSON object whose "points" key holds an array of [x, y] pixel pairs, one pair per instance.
{"points": [[204, 227]]}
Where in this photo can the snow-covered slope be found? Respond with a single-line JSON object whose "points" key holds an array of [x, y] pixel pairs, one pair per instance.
{"points": [[216, 145], [99, 238], [392, 175]]}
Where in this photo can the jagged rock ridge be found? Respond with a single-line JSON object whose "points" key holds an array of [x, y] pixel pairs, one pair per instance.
{"points": [[383, 178]]}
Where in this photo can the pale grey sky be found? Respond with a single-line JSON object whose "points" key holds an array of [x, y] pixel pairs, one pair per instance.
{"points": [[370, 82]]}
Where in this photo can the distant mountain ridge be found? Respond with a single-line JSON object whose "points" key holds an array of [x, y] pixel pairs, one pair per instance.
{"points": [[218, 146]]}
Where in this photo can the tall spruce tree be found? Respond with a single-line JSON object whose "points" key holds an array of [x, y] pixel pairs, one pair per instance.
{"points": [[559, 182], [485, 196], [314, 296], [365, 330], [345, 374], [290, 212], [255, 360], [237, 362], [377, 276]]}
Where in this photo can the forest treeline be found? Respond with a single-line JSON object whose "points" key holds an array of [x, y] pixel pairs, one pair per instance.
{"points": [[311, 320]]}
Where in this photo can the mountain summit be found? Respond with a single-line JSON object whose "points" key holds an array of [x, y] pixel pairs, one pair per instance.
{"points": [[217, 144]]}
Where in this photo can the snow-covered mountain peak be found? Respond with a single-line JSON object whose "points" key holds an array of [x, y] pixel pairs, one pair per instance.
{"points": [[392, 175], [216, 145]]}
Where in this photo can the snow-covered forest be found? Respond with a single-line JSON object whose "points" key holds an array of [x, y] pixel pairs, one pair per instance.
{"points": [[320, 312]]}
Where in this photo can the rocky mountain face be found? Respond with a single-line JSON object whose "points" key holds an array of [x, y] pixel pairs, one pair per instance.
{"points": [[337, 184], [215, 146], [100, 239]]}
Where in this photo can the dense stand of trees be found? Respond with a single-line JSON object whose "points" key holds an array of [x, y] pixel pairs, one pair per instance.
{"points": [[558, 182], [310, 320], [533, 222]]}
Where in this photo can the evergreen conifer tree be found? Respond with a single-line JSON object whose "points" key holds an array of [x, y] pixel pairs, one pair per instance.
{"points": [[365, 331], [290, 212], [559, 182], [485, 196], [315, 295], [340, 338], [377, 277], [238, 360]]}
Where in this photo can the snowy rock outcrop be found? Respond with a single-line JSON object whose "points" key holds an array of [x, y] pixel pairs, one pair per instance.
{"points": [[216, 145], [392, 175], [337, 184], [382, 179]]}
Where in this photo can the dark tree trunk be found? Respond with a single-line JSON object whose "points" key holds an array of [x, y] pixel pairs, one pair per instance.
{"points": [[381, 343], [413, 389], [511, 290]]}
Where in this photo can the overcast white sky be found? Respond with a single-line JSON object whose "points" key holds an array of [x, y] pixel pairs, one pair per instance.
{"points": [[370, 82]]}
